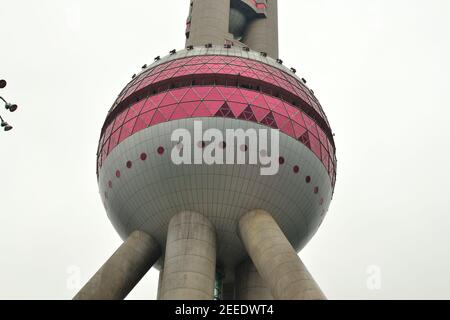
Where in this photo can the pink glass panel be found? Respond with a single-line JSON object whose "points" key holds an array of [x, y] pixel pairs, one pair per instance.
{"points": [[242, 103]]}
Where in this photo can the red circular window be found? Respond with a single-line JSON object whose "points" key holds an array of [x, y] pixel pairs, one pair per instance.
{"points": [[316, 190], [308, 179], [296, 169], [118, 173], [282, 160], [161, 151], [129, 164], [143, 156], [201, 144]]}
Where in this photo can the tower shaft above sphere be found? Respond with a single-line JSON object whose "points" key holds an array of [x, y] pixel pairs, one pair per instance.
{"points": [[245, 23]]}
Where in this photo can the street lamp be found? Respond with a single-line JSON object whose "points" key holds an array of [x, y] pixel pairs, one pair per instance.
{"points": [[5, 125], [11, 107]]}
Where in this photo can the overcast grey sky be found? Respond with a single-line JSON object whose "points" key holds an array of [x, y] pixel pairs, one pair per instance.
{"points": [[380, 68]]}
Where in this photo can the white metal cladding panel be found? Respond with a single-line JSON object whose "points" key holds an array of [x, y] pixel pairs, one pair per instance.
{"points": [[148, 194]]}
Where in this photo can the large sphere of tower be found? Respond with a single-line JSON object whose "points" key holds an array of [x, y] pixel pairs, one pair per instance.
{"points": [[141, 187]]}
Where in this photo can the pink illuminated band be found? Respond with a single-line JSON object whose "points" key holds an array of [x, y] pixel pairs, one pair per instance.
{"points": [[218, 101], [236, 68]]}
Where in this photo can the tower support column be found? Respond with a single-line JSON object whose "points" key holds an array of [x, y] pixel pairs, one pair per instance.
{"points": [[249, 284], [161, 274], [120, 274], [209, 22], [275, 258], [262, 34], [190, 259]]}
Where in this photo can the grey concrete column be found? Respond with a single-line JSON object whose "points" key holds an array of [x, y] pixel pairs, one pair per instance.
{"points": [[249, 284], [209, 22], [120, 274], [275, 259], [262, 33], [228, 291], [190, 259], [161, 274]]}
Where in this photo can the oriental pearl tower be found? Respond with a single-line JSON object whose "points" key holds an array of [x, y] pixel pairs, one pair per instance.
{"points": [[219, 231]]}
